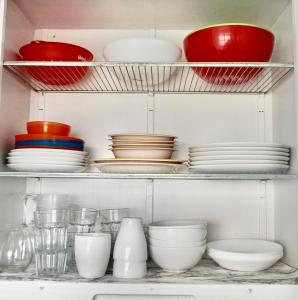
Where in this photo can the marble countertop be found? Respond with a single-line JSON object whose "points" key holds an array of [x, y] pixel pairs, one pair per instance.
{"points": [[207, 272]]}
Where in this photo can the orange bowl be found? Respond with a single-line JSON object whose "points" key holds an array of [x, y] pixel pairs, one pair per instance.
{"points": [[55, 128], [229, 43]]}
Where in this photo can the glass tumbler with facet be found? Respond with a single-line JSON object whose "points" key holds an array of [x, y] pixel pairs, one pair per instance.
{"points": [[81, 221], [50, 241]]}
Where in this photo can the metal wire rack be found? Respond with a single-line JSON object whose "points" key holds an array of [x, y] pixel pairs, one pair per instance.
{"points": [[108, 77]]}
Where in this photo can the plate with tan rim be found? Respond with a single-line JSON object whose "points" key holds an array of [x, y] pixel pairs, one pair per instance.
{"points": [[137, 160], [142, 136]]}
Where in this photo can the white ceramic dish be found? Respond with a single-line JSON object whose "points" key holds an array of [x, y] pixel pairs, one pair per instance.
{"points": [[176, 259], [143, 153], [142, 137], [141, 142], [142, 49], [138, 146], [239, 149], [240, 168], [238, 152], [138, 168], [240, 144], [244, 161], [46, 162], [137, 160], [179, 223], [47, 151], [172, 244], [74, 159], [239, 157], [45, 168], [245, 254]]}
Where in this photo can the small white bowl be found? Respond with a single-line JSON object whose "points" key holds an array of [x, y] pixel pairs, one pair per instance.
{"points": [[129, 269], [171, 244], [179, 230], [143, 153], [249, 255], [176, 259]]}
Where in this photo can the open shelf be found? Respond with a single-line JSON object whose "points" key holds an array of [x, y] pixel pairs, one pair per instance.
{"points": [[108, 77], [181, 176]]}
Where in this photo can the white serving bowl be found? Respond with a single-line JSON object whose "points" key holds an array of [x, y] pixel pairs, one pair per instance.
{"points": [[248, 255], [179, 230], [176, 259], [141, 137], [143, 153], [171, 244]]}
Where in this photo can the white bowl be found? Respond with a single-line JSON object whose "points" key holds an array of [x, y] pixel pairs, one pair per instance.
{"points": [[143, 153], [141, 137], [176, 259], [179, 230], [248, 255], [140, 146], [129, 269], [142, 49], [171, 244]]}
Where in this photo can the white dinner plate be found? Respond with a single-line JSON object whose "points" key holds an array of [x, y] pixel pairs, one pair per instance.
{"points": [[286, 150], [138, 168], [46, 162], [248, 152], [241, 144], [238, 157], [47, 151], [239, 168], [47, 159], [45, 168], [235, 161]]}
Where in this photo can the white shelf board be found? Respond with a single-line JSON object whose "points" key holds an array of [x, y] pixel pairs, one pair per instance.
{"points": [[181, 176]]}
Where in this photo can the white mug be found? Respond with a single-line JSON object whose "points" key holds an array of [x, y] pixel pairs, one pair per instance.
{"points": [[131, 243], [92, 254]]}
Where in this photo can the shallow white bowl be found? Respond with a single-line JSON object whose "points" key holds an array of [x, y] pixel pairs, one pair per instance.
{"points": [[143, 153], [249, 255], [179, 230], [160, 243], [141, 137], [176, 259]]}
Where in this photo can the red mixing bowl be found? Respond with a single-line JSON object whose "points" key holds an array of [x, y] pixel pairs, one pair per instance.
{"points": [[55, 51], [229, 43], [41, 127]]}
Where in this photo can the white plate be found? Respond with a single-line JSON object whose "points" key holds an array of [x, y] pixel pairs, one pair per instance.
{"points": [[239, 149], [47, 151], [143, 153], [46, 162], [241, 144], [238, 157], [248, 255], [231, 161], [46, 159], [45, 168], [248, 152], [142, 137], [138, 168], [239, 168]]}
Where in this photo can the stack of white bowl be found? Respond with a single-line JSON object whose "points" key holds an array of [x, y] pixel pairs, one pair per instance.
{"points": [[47, 160], [239, 157], [177, 245]]}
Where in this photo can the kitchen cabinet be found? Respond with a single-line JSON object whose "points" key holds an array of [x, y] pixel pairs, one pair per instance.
{"points": [[236, 206]]}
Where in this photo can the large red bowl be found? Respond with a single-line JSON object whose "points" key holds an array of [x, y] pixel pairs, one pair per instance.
{"points": [[55, 51], [229, 43]]}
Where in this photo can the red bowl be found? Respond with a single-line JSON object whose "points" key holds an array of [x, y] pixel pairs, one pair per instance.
{"points": [[229, 43], [54, 51], [45, 136], [45, 127]]}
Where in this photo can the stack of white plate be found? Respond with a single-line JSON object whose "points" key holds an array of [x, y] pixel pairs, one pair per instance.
{"points": [[239, 157], [47, 160]]}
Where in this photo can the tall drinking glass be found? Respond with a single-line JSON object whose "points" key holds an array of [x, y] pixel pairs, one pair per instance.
{"points": [[50, 241], [81, 221]]}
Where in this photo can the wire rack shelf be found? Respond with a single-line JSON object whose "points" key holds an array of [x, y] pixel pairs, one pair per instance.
{"points": [[184, 77]]}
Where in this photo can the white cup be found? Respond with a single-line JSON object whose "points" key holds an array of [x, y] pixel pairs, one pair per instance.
{"points": [[131, 243], [92, 254]]}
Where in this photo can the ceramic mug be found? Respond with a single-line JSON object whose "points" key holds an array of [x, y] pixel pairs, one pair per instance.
{"points": [[92, 254]]}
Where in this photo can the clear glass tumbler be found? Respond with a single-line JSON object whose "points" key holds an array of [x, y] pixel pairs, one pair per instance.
{"points": [[111, 220], [50, 241], [81, 221]]}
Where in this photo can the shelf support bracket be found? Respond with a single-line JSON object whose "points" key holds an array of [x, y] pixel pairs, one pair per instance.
{"points": [[150, 113]]}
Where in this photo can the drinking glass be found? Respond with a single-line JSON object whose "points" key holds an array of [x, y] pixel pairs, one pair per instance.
{"points": [[50, 241], [111, 220], [81, 221]]}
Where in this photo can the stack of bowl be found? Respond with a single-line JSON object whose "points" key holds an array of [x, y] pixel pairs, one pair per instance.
{"points": [[177, 245], [47, 147]]}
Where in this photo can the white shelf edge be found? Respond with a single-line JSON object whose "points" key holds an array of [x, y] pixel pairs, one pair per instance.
{"points": [[181, 176]]}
